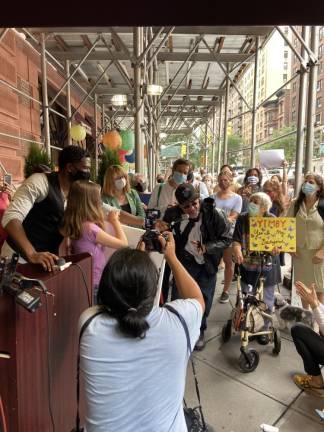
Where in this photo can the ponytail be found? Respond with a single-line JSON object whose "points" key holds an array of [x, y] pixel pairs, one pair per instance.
{"points": [[127, 288]]}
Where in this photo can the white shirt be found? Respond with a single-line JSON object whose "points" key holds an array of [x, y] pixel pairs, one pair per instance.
{"points": [[166, 198], [194, 235], [137, 384]]}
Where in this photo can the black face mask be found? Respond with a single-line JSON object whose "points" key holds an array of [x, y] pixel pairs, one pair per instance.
{"points": [[80, 175], [160, 180]]}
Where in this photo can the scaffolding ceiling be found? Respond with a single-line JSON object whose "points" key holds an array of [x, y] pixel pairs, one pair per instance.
{"points": [[190, 64]]}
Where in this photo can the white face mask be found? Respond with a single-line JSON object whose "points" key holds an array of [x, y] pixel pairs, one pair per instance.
{"points": [[120, 183]]}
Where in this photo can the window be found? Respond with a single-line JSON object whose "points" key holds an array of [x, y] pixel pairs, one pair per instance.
{"points": [[286, 54], [293, 116], [284, 77], [319, 102], [285, 66], [318, 119], [320, 67], [286, 43], [293, 102], [319, 85], [295, 86]]}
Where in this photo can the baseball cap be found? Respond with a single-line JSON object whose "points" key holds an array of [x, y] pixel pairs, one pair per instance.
{"points": [[186, 193]]}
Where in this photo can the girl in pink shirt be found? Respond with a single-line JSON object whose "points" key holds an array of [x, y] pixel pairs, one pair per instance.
{"points": [[84, 224]]}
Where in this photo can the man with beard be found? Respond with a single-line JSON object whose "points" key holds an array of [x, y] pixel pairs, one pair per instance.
{"points": [[200, 239]]}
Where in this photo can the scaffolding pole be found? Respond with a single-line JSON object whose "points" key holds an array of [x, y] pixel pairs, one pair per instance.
{"points": [[95, 134], [206, 146], [68, 102], [45, 97], [213, 143], [219, 149], [226, 115], [311, 101], [139, 148], [301, 118], [255, 96]]}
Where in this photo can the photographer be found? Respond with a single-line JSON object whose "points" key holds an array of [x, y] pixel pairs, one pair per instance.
{"points": [[200, 240], [126, 349]]}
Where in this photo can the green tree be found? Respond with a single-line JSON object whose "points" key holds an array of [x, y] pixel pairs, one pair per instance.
{"points": [[36, 156], [234, 143], [109, 157]]}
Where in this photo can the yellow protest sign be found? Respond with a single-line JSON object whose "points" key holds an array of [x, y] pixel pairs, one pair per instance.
{"points": [[268, 233]]}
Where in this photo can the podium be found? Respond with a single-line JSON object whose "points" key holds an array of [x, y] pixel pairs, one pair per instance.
{"points": [[38, 377]]}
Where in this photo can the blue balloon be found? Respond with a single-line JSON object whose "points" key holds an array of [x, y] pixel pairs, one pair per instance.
{"points": [[130, 158]]}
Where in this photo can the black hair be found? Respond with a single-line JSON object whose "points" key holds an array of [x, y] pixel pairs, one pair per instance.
{"points": [[71, 154], [301, 196], [248, 174], [190, 176], [127, 289]]}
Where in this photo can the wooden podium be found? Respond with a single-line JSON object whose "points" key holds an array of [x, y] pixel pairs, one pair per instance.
{"points": [[39, 377]]}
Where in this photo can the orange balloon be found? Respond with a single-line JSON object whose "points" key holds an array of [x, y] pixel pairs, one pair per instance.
{"points": [[112, 140]]}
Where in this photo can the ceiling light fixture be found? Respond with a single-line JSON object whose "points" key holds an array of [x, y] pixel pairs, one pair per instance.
{"points": [[119, 100]]}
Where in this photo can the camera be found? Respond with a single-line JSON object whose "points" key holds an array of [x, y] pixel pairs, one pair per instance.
{"points": [[151, 240], [152, 215]]}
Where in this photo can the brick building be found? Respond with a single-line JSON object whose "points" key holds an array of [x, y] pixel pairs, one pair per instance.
{"points": [[20, 117]]}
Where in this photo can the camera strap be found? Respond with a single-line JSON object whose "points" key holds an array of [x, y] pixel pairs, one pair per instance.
{"points": [[185, 327]]}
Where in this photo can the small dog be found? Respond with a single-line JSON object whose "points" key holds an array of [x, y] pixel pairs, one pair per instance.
{"points": [[288, 315]]}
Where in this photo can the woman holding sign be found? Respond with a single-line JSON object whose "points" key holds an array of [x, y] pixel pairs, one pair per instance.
{"points": [[308, 209], [251, 262]]}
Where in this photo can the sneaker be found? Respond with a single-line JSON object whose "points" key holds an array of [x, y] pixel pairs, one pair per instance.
{"points": [[200, 344], [224, 298]]}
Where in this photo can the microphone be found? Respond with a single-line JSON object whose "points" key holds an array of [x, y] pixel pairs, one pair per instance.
{"points": [[61, 264], [180, 219]]}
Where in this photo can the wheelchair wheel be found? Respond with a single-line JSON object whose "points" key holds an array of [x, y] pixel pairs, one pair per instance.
{"points": [[277, 342], [252, 364], [227, 331]]}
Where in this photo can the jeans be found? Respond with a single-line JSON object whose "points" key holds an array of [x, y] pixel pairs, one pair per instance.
{"points": [[310, 346], [206, 282]]}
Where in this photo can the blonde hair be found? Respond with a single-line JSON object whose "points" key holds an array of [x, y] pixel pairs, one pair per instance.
{"points": [[108, 188], [83, 205]]}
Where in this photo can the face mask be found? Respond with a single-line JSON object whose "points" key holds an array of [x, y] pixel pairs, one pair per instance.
{"points": [[309, 188], [80, 175], [253, 180], [179, 178], [140, 187], [160, 180], [253, 209], [120, 183]]}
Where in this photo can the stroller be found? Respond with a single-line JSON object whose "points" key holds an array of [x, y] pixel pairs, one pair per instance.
{"points": [[248, 318]]}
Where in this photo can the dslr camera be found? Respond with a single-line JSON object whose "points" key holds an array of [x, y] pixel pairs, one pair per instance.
{"points": [[151, 235]]}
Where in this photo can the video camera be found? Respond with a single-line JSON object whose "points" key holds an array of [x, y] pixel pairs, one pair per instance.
{"points": [[151, 235], [16, 285]]}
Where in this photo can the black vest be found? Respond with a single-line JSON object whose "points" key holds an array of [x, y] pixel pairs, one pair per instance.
{"points": [[44, 219]]}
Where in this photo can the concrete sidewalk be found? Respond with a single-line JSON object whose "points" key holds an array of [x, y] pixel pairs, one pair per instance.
{"points": [[240, 402]]}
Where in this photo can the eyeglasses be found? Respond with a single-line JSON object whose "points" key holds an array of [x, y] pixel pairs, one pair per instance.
{"points": [[189, 205]]}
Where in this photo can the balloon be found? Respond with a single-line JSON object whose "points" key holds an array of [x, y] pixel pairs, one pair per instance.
{"points": [[112, 140], [128, 139], [129, 152], [78, 132], [130, 158], [121, 155]]}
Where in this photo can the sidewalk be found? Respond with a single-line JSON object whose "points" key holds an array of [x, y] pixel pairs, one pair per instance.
{"points": [[239, 402]]}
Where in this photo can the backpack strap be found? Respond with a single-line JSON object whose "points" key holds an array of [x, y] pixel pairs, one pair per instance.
{"points": [[320, 208], [84, 326], [159, 193], [185, 328]]}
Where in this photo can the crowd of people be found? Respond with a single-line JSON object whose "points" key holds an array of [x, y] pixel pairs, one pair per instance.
{"points": [[131, 343]]}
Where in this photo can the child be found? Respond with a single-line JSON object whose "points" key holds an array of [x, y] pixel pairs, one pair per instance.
{"points": [[84, 224]]}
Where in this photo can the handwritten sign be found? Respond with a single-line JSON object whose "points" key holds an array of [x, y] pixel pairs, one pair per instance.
{"points": [[268, 233]]}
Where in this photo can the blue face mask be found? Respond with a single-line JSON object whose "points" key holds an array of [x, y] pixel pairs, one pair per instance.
{"points": [[253, 209], [179, 178], [309, 188]]}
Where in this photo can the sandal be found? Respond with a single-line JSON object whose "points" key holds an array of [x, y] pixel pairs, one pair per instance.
{"points": [[303, 381]]}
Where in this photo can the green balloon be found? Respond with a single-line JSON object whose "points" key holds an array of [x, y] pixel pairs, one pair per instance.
{"points": [[128, 140]]}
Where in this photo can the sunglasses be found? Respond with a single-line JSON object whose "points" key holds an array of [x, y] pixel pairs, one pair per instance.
{"points": [[189, 205]]}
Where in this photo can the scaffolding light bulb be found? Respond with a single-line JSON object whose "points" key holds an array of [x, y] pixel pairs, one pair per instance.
{"points": [[119, 100], [154, 89]]}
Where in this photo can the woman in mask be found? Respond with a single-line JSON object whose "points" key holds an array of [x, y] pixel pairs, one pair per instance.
{"points": [[117, 192], [251, 184], [250, 262], [231, 203], [308, 261]]}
